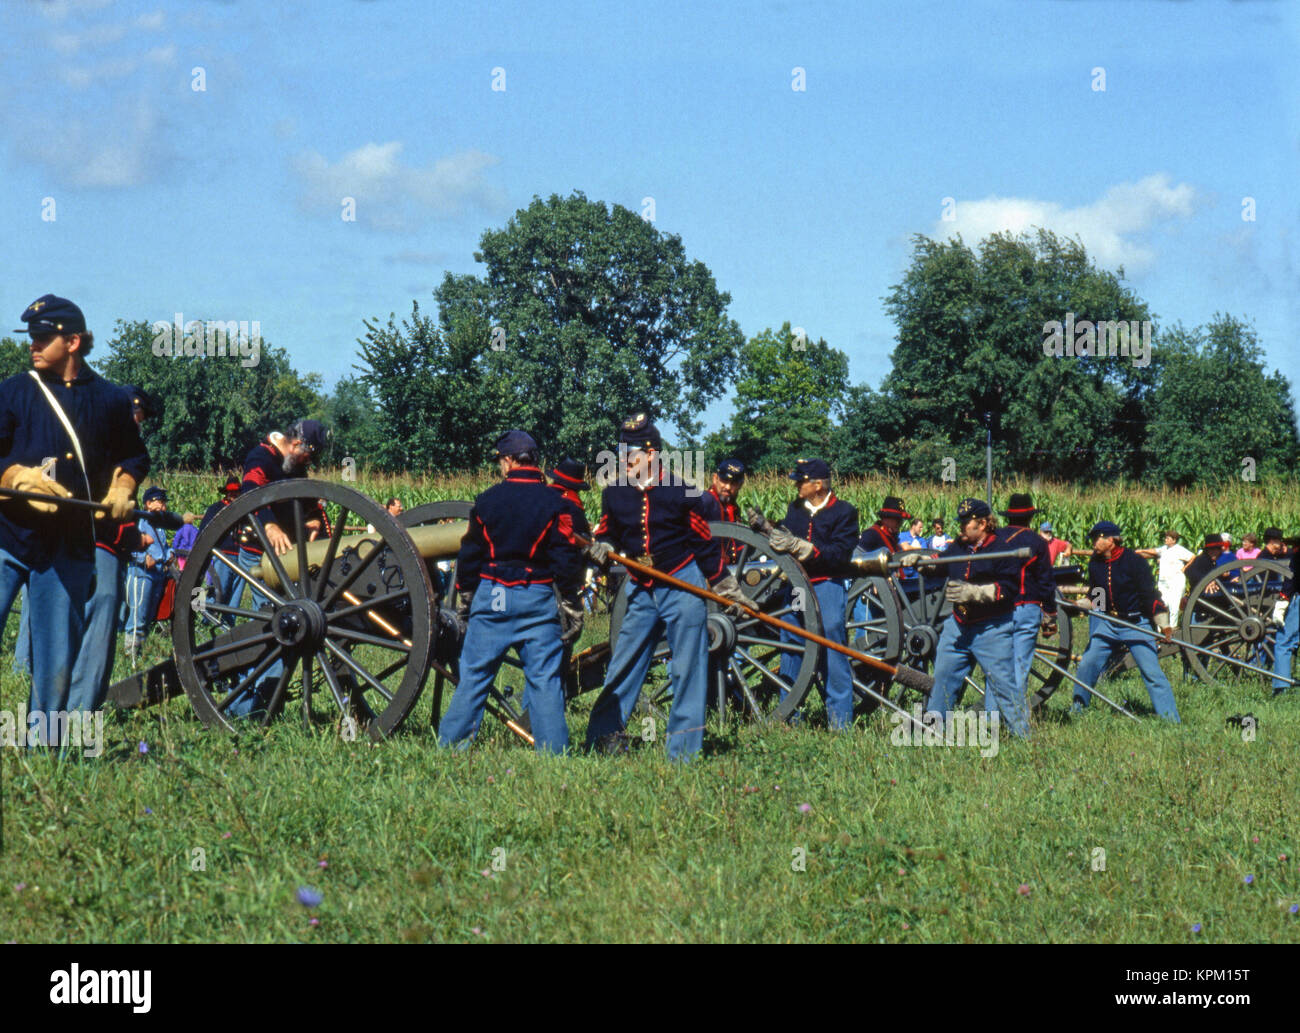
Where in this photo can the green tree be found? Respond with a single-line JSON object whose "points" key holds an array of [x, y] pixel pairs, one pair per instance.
{"points": [[438, 404], [786, 397], [14, 358], [350, 414], [214, 408], [971, 332], [585, 313], [1217, 414]]}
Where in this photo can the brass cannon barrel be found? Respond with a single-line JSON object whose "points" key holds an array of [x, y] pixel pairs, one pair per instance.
{"points": [[432, 541]]}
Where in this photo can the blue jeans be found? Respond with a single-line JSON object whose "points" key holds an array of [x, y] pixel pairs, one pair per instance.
{"points": [[56, 596], [652, 612], [144, 589], [225, 581], [523, 617], [990, 644], [1105, 641], [23, 645], [255, 698], [833, 669], [1284, 648], [1026, 621], [94, 663]]}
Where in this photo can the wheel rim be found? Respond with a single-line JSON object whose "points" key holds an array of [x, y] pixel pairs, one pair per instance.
{"points": [[1228, 613], [350, 630], [744, 666]]}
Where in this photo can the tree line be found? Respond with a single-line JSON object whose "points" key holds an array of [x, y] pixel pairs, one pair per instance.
{"points": [[585, 312]]}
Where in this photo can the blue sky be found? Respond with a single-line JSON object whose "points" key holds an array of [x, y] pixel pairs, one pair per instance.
{"points": [[226, 203]]}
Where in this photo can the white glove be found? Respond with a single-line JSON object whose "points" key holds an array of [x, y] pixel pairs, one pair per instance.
{"points": [[1278, 616], [910, 558], [965, 593]]}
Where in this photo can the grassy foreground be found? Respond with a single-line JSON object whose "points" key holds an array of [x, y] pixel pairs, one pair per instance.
{"points": [[207, 838]]}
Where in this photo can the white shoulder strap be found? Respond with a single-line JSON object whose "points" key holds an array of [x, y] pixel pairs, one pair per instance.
{"points": [[67, 425]]}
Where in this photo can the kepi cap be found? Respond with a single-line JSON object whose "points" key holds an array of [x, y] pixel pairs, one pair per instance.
{"points": [[638, 432], [512, 442], [311, 433], [1104, 527], [50, 314], [810, 470], [731, 470], [971, 509]]}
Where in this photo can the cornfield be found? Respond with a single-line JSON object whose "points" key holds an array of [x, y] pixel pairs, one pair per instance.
{"points": [[1142, 513]]}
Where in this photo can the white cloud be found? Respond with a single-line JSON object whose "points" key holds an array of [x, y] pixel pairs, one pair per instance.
{"points": [[69, 43], [57, 10], [392, 195], [86, 157], [1110, 228]]}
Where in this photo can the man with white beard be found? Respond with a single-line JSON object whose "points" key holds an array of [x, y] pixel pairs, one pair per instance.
{"points": [[280, 457]]}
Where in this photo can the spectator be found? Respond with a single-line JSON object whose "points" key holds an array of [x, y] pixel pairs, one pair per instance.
{"points": [[1249, 548], [911, 539], [1173, 559], [938, 540], [1056, 547]]}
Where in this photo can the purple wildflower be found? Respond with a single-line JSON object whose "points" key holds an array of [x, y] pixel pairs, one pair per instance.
{"points": [[1248, 879], [1196, 928], [144, 747], [804, 808], [309, 897]]}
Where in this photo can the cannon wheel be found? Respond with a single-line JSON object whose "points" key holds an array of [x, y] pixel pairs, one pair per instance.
{"points": [[353, 634], [895, 625], [874, 623], [1228, 612], [744, 653], [1044, 680], [442, 576]]}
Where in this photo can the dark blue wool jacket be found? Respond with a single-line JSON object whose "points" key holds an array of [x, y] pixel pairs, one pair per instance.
{"points": [[833, 530], [1126, 579], [520, 533], [978, 571], [30, 432], [1037, 586], [667, 522]]}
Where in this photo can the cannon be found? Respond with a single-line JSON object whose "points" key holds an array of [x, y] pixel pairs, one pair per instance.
{"points": [[353, 626], [900, 620]]}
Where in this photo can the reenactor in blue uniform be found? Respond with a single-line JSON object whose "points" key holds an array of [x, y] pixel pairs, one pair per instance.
{"points": [[883, 534], [1286, 614], [569, 477], [664, 525], [724, 490], [1120, 583], [223, 577], [280, 457], [983, 593], [820, 531], [146, 575], [520, 548], [65, 410], [1036, 600], [115, 541]]}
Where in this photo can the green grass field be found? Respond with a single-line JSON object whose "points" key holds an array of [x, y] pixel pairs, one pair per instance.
{"points": [[1098, 829], [209, 838]]}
